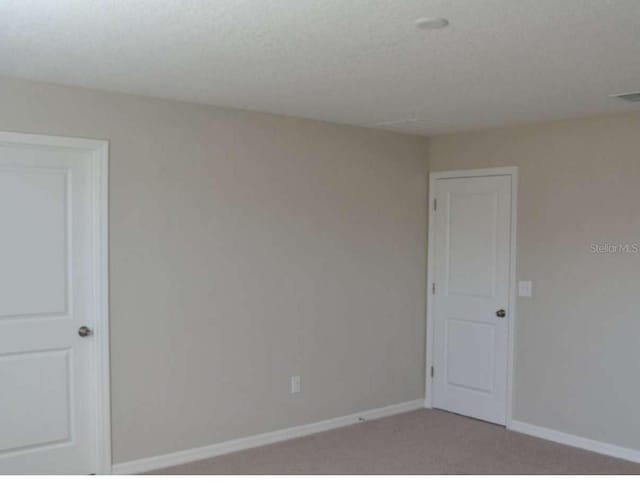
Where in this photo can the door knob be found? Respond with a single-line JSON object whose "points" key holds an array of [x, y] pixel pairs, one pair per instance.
{"points": [[84, 331], [501, 313]]}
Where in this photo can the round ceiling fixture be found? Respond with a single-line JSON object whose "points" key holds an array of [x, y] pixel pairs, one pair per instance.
{"points": [[432, 23]]}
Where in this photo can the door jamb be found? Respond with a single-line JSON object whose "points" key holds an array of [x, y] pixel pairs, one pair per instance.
{"points": [[433, 177], [99, 232]]}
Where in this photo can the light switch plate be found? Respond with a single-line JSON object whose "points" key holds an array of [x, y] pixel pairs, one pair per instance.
{"points": [[525, 289]]}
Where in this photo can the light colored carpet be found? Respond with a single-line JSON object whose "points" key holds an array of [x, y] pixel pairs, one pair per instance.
{"points": [[421, 442]]}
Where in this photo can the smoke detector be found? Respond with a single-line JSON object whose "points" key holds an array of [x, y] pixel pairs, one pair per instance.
{"points": [[431, 23]]}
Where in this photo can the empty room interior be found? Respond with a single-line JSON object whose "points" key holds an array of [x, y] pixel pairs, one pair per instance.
{"points": [[319, 237]]}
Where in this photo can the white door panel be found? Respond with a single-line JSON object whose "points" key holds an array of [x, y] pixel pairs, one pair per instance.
{"points": [[46, 294], [33, 216], [471, 275]]}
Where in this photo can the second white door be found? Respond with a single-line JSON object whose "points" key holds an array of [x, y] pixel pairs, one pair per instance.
{"points": [[47, 297], [470, 305]]}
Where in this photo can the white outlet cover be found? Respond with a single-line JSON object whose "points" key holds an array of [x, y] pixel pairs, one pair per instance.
{"points": [[525, 289], [295, 384]]}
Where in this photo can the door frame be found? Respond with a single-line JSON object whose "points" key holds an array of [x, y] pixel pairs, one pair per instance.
{"points": [[433, 177], [99, 231]]}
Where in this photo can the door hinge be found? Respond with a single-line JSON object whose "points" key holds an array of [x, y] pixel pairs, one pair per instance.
{"points": [[435, 204], [433, 288], [431, 371]]}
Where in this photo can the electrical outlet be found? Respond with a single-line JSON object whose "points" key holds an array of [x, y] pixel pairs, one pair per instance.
{"points": [[295, 384]]}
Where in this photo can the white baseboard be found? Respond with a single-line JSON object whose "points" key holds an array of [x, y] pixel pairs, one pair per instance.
{"points": [[191, 455], [576, 441]]}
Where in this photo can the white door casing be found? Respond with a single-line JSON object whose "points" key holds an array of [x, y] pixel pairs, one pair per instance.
{"points": [[471, 278], [54, 411]]}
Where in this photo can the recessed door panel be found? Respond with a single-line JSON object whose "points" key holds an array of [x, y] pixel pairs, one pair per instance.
{"points": [[471, 267], [470, 355], [38, 411], [35, 242]]}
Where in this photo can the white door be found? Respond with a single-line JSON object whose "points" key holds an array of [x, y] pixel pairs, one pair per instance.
{"points": [[47, 370], [472, 224]]}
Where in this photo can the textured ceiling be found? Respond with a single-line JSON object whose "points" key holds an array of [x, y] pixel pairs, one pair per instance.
{"points": [[359, 62]]}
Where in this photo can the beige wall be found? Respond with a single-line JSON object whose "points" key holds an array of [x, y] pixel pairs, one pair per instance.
{"points": [[578, 338], [246, 248]]}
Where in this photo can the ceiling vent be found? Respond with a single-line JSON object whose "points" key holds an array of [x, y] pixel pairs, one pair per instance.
{"points": [[403, 123], [629, 97]]}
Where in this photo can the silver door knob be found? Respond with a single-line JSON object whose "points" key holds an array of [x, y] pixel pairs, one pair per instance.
{"points": [[501, 313], [84, 331]]}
